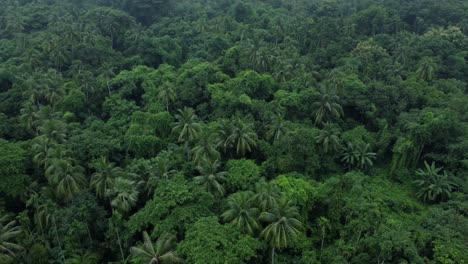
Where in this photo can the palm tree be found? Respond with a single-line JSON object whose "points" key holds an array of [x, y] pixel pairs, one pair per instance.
{"points": [[283, 226], [161, 170], [242, 212], [358, 156], [426, 69], [276, 129], [205, 148], [54, 130], [7, 233], [125, 195], [225, 130], [67, 178], [327, 106], [166, 94], [329, 137], [266, 196], [243, 137], [104, 178], [210, 178], [435, 186], [41, 147], [324, 225], [187, 125], [159, 253]]}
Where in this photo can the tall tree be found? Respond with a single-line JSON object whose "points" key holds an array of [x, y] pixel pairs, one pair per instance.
{"points": [[426, 69], [327, 106], [283, 225], [329, 137], [166, 94], [242, 138], [159, 253], [103, 179], [205, 148], [67, 178], [187, 126], [210, 177], [276, 129], [242, 212], [124, 195]]}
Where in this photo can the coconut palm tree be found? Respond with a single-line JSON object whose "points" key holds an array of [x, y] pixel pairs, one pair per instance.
{"points": [[187, 126], [125, 195], [266, 196], [166, 94], [159, 253], [7, 233], [327, 106], [242, 212], [358, 156], [41, 147], [426, 69], [210, 178], [54, 130], [434, 186], [104, 178], [205, 148], [283, 225], [276, 129], [329, 137], [67, 178], [225, 130], [242, 138], [324, 225]]}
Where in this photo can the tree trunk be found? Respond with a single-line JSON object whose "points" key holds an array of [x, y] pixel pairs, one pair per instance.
{"points": [[321, 246], [117, 232], [58, 240], [273, 255]]}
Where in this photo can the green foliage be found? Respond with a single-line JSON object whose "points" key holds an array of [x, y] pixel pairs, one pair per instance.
{"points": [[160, 252], [242, 174], [208, 241], [13, 178], [358, 156], [297, 189], [123, 117], [175, 206], [434, 186]]}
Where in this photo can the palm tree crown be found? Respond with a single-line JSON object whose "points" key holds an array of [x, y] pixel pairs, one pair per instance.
{"points": [[358, 156], [327, 106], [205, 149], [329, 138], [7, 233], [125, 195], [159, 253], [283, 224], [276, 129], [187, 125], [426, 69], [243, 137], [104, 177], [242, 212], [210, 177]]}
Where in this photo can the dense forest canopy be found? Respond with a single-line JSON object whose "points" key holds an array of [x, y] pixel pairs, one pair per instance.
{"points": [[233, 131]]}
